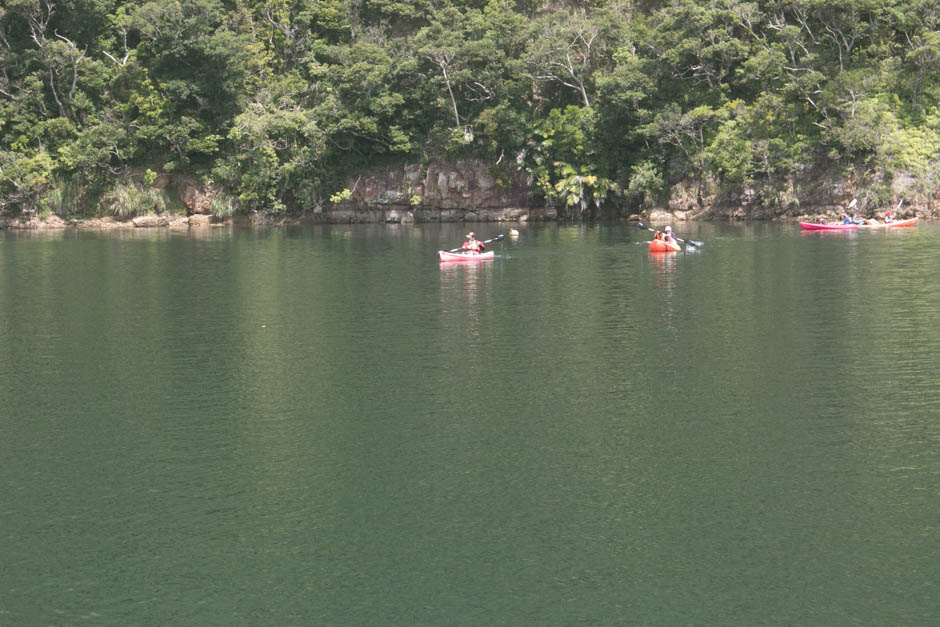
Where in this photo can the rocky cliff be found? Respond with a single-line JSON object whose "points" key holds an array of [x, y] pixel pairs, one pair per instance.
{"points": [[464, 191], [474, 191]]}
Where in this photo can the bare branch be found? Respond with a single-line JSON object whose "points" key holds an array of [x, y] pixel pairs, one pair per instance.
{"points": [[55, 94], [72, 49], [121, 63], [38, 22]]}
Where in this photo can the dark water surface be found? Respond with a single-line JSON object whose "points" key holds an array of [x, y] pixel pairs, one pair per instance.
{"points": [[325, 426]]}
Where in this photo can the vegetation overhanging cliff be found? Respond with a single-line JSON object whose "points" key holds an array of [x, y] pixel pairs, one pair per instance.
{"points": [[604, 108]]}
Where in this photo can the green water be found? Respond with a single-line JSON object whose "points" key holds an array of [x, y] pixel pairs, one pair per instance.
{"points": [[326, 426]]}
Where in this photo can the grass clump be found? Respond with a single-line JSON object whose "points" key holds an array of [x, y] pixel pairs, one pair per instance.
{"points": [[63, 199], [223, 206], [128, 200]]}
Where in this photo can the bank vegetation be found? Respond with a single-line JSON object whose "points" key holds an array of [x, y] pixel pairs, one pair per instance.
{"points": [[601, 104]]}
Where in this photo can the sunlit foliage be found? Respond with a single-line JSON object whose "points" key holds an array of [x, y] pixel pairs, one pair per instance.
{"points": [[279, 101]]}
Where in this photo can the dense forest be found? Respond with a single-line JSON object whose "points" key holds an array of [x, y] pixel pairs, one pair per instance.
{"points": [[277, 102]]}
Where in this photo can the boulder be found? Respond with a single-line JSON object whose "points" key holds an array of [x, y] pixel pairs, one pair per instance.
{"points": [[150, 220]]}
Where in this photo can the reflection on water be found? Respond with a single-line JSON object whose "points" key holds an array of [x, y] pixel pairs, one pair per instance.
{"points": [[663, 266], [834, 233], [324, 425], [463, 286]]}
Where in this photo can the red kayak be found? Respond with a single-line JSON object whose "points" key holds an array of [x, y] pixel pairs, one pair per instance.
{"points": [[449, 256], [815, 226], [662, 246]]}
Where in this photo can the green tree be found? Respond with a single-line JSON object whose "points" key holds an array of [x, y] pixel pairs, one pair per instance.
{"points": [[275, 148]]}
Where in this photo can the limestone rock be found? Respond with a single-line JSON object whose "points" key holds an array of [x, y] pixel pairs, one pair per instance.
{"points": [[196, 197], [150, 220]]}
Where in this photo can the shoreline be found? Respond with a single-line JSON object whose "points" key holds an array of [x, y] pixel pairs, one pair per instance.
{"points": [[406, 216]]}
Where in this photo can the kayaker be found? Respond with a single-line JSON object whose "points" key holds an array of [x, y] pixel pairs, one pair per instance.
{"points": [[822, 220], [888, 216], [473, 245], [657, 235], [667, 235]]}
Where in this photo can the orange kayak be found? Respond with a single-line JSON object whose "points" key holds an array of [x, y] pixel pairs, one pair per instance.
{"points": [[889, 225], [662, 246]]}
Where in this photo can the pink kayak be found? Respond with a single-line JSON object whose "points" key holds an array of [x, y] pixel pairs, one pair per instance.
{"points": [[815, 226], [449, 256], [662, 246]]}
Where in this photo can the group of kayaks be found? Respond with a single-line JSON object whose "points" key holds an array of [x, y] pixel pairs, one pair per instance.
{"points": [[850, 226], [672, 246]]}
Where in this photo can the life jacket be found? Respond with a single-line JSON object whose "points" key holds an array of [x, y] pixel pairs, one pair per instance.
{"points": [[474, 246]]}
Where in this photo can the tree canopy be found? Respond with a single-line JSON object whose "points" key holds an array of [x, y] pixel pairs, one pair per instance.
{"points": [[277, 101]]}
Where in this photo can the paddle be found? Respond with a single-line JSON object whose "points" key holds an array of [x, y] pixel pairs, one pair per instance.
{"points": [[495, 239], [690, 242], [851, 204]]}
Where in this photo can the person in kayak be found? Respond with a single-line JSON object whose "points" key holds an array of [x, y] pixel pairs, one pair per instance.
{"points": [[888, 216], [473, 245], [853, 219], [667, 235]]}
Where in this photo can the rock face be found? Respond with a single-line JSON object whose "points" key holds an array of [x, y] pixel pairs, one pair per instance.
{"points": [[464, 191], [196, 196]]}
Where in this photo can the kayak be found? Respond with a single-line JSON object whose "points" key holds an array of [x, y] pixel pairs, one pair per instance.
{"points": [[448, 256], [815, 226], [889, 225], [662, 246], [839, 226]]}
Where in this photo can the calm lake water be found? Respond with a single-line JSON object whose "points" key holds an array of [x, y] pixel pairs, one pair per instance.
{"points": [[323, 425]]}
